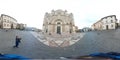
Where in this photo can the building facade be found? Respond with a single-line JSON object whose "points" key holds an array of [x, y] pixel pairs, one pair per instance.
{"points": [[7, 22], [97, 25], [21, 26], [105, 23], [0, 23], [58, 22], [110, 22]]}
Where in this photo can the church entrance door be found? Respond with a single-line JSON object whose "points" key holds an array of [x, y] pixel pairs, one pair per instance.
{"points": [[58, 30]]}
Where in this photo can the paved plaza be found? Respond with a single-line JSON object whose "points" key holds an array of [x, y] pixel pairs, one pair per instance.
{"points": [[32, 47], [58, 40]]}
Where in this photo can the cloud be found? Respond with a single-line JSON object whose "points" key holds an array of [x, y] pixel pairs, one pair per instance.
{"points": [[85, 12]]}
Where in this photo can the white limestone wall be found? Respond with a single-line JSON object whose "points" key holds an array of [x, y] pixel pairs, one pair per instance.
{"points": [[8, 21], [109, 21], [51, 19]]}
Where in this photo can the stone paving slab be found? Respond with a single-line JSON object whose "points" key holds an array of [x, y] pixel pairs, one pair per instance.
{"points": [[58, 42], [31, 47]]}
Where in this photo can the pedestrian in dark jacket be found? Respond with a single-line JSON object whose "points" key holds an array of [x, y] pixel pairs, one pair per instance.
{"points": [[17, 41]]}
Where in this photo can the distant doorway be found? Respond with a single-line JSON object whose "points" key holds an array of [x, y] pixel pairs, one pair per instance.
{"points": [[70, 31], [58, 30], [11, 26], [106, 27], [116, 25]]}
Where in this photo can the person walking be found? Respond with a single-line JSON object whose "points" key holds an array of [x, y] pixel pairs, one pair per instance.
{"points": [[17, 41]]}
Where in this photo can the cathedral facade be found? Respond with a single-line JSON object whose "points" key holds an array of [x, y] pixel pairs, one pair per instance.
{"points": [[58, 22]]}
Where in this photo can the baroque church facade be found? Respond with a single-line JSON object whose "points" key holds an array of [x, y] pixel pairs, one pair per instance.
{"points": [[58, 22]]}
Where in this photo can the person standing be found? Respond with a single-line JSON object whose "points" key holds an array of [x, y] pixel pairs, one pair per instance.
{"points": [[17, 41]]}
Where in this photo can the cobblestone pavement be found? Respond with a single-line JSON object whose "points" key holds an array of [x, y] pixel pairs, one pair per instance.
{"points": [[58, 41], [31, 47]]}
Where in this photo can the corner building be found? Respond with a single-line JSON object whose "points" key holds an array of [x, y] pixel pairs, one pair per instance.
{"points": [[7, 22]]}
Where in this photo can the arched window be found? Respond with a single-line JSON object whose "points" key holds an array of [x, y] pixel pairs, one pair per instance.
{"points": [[111, 21], [111, 25], [106, 21]]}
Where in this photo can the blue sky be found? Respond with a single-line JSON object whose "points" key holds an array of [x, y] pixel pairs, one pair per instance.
{"points": [[86, 12]]}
